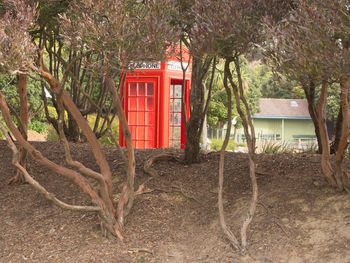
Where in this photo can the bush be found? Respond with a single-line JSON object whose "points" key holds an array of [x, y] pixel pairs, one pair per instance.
{"points": [[216, 144], [2, 137], [52, 135], [38, 126], [310, 147], [105, 139], [276, 147]]}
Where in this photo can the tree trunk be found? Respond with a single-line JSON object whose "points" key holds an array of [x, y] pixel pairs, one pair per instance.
{"points": [[107, 214], [205, 134], [310, 97], [24, 118], [321, 114], [198, 107], [235, 243], [251, 141], [127, 195], [107, 217], [250, 136], [338, 131], [340, 175]]}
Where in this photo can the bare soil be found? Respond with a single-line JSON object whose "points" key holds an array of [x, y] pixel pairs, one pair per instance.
{"points": [[299, 218], [35, 136]]}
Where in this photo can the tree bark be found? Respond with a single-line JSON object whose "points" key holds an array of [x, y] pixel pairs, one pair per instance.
{"points": [[235, 243], [196, 106], [251, 141], [24, 118], [37, 185], [321, 114], [198, 109], [309, 91], [127, 196], [105, 188], [247, 124], [338, 131], [340, 175]]}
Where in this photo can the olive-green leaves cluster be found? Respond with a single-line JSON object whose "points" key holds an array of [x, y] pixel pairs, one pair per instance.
{"points": [[312, 42], [16, 47], [120, 32]]}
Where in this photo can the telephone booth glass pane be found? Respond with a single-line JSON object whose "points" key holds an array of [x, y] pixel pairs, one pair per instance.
{"points": [[141, 89], [177, 106], [150, 89], [140, 103], [132, 89], [175, 118], [149, 104], [177, 91]]}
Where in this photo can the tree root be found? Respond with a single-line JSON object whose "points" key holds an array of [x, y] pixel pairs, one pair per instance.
{"points": [[147, 166], [18, 179], [137, 250]]}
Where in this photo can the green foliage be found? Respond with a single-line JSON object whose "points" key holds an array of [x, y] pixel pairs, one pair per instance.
{"points": [[276, 147], [17, 49], [270, 85], [52, 112], [8, 86], [3, 123], [52, 135], [38, 126], [216, 145], [333, 101], [217, 112], [298, 92], [106, 139]]}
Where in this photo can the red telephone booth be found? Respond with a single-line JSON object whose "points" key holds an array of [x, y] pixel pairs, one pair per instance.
{"points": [[152, 103]]}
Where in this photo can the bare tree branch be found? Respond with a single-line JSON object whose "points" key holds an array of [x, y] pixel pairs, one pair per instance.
{"points": [[37, 185]]}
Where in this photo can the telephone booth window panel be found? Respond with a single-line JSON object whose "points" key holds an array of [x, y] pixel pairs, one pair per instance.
{"points": [[141, 114], [175, 116]]}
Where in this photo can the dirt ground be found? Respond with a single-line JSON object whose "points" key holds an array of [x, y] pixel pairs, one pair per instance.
{"points": [[299, 218], [35, 136]]}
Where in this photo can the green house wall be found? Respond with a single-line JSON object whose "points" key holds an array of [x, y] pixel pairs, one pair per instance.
{"points": [[298, 127], [283, 129]]}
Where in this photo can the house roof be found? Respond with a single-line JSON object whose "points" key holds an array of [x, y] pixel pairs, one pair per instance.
{"points": [[283, 109]]}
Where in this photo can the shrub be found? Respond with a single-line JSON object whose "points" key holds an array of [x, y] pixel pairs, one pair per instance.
{"points": [[216, 144], [105, 139], [276, 147], [52, 135], [310, 147], [38, 126]]}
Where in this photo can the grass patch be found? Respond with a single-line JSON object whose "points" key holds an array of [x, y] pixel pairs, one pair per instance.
{"points": [[276, 147]]}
